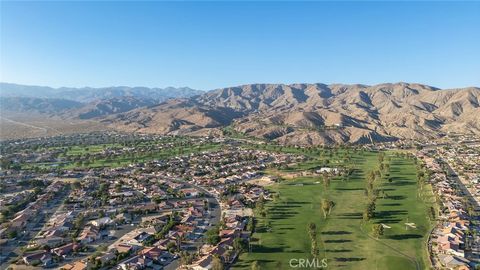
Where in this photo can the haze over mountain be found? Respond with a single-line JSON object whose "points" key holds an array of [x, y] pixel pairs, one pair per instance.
{"points": [[296, 113], [315, 113], [47, 106], [83, 103], [89, 94]]}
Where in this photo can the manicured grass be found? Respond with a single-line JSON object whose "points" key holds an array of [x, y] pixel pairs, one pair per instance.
{"points": [[344, 238], [123, 160], [163, 154], [91, 149]]}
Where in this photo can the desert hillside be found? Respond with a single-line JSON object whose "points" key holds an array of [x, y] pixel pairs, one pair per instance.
{"points": [[314, 113]]}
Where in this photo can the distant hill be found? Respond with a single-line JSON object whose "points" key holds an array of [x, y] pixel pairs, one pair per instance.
{"points": [[88, 94], [315, 113], [105, 107], [294, 114], [83, 103], [49, 106]]}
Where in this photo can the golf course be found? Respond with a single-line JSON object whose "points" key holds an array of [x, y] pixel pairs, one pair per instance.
{"points": [[343, 237]]}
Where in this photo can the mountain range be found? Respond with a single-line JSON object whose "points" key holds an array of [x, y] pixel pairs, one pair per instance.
{"points": [[83, 103], [315, 113], [294, 114], [89, 94]]}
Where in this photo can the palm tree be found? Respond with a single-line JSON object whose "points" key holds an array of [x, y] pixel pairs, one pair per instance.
{"points": [[377, 230], [327, 206]]}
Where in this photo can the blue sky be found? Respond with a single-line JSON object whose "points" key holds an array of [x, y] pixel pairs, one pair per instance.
{"points": [[207, 45]]}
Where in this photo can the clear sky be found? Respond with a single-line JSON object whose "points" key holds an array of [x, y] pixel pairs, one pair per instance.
{"points": [[207, 45]]}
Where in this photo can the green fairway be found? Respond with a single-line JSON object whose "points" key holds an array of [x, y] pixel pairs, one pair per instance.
{"points": [[91, 149], [344, 238], [124, 159]]}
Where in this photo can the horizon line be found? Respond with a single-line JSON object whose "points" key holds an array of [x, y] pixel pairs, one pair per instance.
{"points": [[238, 85]]}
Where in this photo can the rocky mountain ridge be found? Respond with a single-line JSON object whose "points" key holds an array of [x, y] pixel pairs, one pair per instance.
{"points": [[315, 113]]}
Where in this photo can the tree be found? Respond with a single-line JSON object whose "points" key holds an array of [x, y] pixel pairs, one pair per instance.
{"points": [[250, 224], [381, 157], [260, 206], [12, 234], [239, 244], [212, 236], [186, 258], [326, 181], [171, 247], [387, 167], [365, 216], [255, 266], [312, 227], [370, 176], [377, 230], [180, 239], [369, 212], [314, 249], [217, 263], [327, 206]]}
